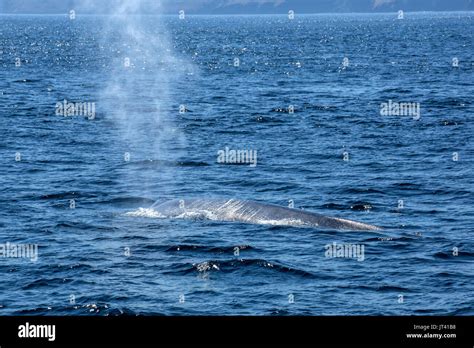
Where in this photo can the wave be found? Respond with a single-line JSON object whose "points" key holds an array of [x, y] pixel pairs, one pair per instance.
{"points": [[450, 255], [27, 81], [129, 200], [235, 265], [196, 248], [79, 309], [52, 282], [208, 249], [63, 195], [163, 163]]}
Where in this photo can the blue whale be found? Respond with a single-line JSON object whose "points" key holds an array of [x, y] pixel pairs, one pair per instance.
{"points": [[253, 212]]}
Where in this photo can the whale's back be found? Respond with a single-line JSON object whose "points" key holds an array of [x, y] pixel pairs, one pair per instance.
{"points": [[253, 212]]}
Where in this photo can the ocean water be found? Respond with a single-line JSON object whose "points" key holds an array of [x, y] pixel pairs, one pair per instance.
{"points": [[81, 187]]}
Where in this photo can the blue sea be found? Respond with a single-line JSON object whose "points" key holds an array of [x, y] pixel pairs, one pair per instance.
{"points": [[305, 94]]}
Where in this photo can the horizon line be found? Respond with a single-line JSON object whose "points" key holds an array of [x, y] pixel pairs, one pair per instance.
{"points": [[233, 14]]}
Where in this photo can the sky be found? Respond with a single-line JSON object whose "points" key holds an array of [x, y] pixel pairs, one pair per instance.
{"points": [[239, 6]]}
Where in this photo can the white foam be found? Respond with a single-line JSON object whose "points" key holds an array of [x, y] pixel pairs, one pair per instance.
{"points": [[146, 212], [205, 266], [282, 222], [198, 215]]}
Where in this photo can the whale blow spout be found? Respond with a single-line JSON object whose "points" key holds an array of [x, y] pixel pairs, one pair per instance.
{"points": [[253, 212]]}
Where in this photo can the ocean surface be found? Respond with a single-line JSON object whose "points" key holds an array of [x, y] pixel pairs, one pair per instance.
{"points": [[169, 94]]}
